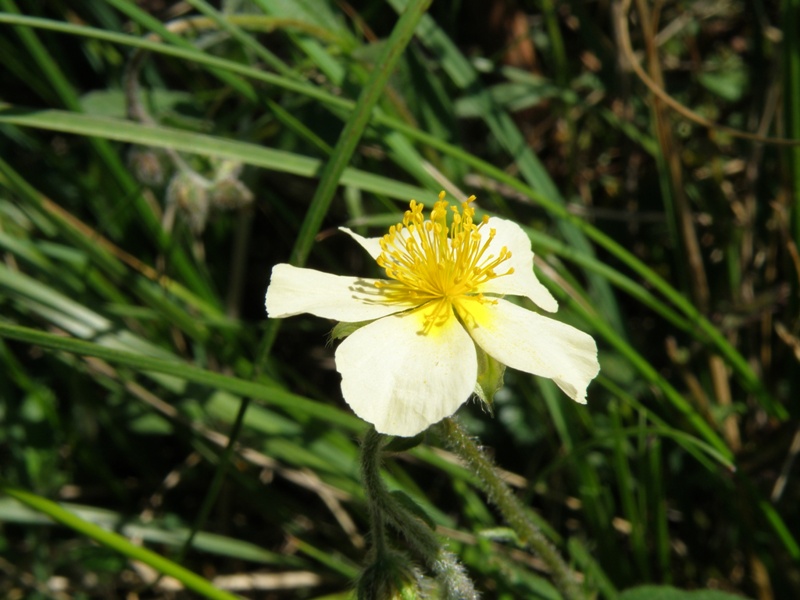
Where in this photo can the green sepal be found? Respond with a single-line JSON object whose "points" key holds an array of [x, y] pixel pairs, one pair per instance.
{"points": [[415, 509], [490, 378], [342, 330], [403, 444]]}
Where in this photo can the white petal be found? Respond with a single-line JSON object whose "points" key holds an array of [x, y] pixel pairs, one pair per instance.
{"points": [[532, 343], [402, 380], [522, 282], [371, 245], [293, 291]]}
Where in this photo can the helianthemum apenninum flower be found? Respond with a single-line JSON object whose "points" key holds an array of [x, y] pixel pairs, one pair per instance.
{"points": [[439, 314]]}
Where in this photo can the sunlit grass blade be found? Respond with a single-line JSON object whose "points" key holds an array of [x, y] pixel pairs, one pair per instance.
{"points": [[333, 171], [354, 128], [167, 137], [183, 371], [116, 542], [158, 533]]}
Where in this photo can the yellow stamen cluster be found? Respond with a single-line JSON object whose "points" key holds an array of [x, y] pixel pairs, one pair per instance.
{"points": [[430, 261]]}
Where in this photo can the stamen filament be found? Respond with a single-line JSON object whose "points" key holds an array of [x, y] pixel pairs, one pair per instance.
{"points": [[428, 261]]}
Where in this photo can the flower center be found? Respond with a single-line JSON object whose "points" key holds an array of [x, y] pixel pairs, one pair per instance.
{"points": [[428, 261]]}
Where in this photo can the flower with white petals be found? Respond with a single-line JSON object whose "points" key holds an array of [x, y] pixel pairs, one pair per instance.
{"points": [[437, 318]]}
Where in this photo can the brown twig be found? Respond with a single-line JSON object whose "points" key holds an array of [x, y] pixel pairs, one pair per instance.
{"points": [[621, 19]]}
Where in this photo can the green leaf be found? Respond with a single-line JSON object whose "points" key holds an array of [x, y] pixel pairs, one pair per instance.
{"points": [[729, 85]]}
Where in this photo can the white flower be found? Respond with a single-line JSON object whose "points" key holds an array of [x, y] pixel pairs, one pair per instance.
{"points": [[416, 362]]}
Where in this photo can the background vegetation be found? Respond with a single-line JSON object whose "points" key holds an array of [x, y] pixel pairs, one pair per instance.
{"points": [[158, 158]]}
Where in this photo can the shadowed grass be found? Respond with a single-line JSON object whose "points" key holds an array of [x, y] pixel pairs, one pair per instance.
{"points": [[126, 365]]}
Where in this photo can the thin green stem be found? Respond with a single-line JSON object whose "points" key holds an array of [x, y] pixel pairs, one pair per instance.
{"points": [[444, 565], [354, 129], [510, 507], [371, 478]]}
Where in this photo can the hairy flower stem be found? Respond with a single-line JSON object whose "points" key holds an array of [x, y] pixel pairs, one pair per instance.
{"points": [[383, 507], [510, 507], [370, 475]]}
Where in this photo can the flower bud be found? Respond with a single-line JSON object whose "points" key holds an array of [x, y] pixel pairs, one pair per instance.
{"points": [[230, 194], [391, 576], [190, 195], [148, 166]]}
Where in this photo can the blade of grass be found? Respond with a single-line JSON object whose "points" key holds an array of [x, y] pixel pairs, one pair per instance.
{"points": [[353, 130], [116, 542], [654, 481], [159, 533], [179, 48], [186, 372], [127, 187], [166, 137], [591, 569], [334, 169], [627, 493], [508, 134]]}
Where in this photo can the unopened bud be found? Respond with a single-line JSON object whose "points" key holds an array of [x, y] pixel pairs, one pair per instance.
{"points": [[230, 194], [148, 166], [391, 576], [190, 194]]}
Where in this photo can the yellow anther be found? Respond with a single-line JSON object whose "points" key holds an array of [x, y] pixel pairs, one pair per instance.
{"points": [[429, 261]]}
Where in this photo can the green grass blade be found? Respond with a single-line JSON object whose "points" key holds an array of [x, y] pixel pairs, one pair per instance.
{"points": [[508, 135], [353, 130], [333, 172], [12, 511], [127, 188], [184, 141], [116, 542], [186, 372]]}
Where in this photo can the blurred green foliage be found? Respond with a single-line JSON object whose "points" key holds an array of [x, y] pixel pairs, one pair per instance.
{"points": [[156, 159]]}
